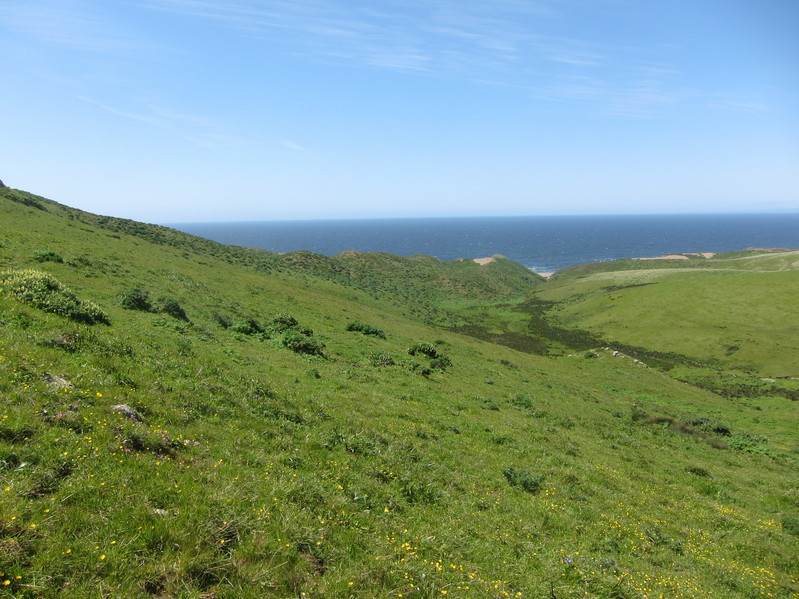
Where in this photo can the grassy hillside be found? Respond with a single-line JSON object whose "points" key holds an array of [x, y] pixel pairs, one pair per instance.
{"points": [[738, 309], [184, 419]]}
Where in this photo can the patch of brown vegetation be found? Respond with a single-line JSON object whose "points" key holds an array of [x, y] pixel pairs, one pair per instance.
{"points": [[484, 261]]}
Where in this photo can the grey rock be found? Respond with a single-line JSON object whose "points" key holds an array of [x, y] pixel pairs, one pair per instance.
{"points": [[56, 382], [127, 411]]}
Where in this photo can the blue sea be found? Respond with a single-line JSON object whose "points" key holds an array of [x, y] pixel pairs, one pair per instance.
{"points": [[542, 243]]}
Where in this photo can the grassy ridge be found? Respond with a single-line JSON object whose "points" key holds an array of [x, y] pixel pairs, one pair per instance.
{"points": [[738, 310], [249, 467]]}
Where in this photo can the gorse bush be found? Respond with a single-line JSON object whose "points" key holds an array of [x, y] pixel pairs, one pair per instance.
{"points": [[366, 329], [46, 293]]}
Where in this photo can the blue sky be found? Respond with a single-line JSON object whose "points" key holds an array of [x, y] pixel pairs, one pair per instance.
{"points": [[228, 110]]}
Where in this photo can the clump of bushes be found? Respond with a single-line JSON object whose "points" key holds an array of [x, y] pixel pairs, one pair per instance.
{"points": [[292, 335], [47, 256], [427, 349], [282, 323], [247, 326], [366, 329], [438, 360], [48, 294], [136, 299], [223, 320], [524, 479], [380, 358], [301, 341], [284, 330], [139, 299], [170, 306]]}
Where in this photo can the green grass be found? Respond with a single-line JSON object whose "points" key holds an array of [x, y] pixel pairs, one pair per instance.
{"points": [[738, 317], [360, 470]]}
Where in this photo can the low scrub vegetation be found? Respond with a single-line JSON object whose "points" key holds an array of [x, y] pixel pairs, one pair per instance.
{"points": [[45, 292], [366, 329]]}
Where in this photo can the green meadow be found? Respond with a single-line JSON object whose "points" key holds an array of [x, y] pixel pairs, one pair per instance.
{"points": [[180, 418]]}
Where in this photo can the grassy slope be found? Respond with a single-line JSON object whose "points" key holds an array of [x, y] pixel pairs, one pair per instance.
{"points": [[259, 472], [738, 309], [423, 286]]}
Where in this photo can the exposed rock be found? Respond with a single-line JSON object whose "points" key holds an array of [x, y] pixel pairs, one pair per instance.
{"points": [[2, 184], [56, 382], [127, 411]]}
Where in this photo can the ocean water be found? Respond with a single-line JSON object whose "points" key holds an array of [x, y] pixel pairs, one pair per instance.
{"points": [[542, 243]]}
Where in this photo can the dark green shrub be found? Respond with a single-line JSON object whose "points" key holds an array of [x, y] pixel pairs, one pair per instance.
{"points": [[301, 342], [710, 425], [170, 306], [46, 293], [380, 358], [438, 360], [222, 320], [136, 299], [521, 401], [281, 323], [47, 256], [523, 478], [442, 362], [790, 524], [366, 329], [750, 442], [698, 471], [427, 349], [248, 326]]}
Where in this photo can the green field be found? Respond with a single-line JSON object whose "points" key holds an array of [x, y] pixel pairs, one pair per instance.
{"points": [[185, 419], [739, 310]]}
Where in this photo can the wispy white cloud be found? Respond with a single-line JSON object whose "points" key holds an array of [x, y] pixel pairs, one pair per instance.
{"points": [[148, 119], [293, 146], [507, 42], [75, 24], [738, 103], [510, 42], [402, 35], [196, 130]]}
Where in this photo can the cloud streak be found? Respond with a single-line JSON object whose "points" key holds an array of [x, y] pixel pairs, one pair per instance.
{"points": [[504, 41], [509, 42], [72, 24], [193, 129]]}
